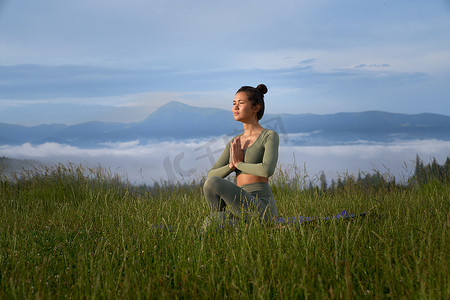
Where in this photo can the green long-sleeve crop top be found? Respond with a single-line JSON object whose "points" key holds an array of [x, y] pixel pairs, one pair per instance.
{"points": [[260, 158]]}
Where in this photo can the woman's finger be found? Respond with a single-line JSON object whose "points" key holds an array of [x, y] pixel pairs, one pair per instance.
{"points": [[232, 154]]}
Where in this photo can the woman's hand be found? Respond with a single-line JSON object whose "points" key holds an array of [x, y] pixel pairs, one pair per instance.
{"points": [[236, 153]]}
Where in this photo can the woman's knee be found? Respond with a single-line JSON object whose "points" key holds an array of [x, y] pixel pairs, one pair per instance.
{"points": [[211, 184]]}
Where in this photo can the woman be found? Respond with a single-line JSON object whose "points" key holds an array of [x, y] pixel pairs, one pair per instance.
{"points": [[253, 156]]}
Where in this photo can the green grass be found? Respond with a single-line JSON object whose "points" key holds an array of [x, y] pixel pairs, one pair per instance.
{"points": [[74, 232]]}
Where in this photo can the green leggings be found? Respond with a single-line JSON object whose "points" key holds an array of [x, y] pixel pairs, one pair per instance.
{"points": [[249, 199]]}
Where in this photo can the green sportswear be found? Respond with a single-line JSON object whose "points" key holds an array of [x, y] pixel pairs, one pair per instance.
{"points": [[260, 158]]}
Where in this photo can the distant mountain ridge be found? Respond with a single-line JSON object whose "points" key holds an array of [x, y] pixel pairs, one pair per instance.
{"points": [[176, 120]]}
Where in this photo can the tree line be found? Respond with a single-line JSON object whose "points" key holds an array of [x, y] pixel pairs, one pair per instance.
{"points": [[423, 174]]}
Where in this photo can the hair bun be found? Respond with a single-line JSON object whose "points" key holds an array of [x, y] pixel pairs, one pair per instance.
{"points": [[262, 88]]}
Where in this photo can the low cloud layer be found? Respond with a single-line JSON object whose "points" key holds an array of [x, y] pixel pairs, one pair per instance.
{"points": [[189, 160]]}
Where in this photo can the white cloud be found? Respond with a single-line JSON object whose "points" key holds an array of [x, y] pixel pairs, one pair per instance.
{"points": [[126, 108], [132, 33], [393, 58], [167, 160], [395, 158], [122, 145]]}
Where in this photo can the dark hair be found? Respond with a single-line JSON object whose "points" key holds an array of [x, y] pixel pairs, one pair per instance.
{"points": [[255, 96]]}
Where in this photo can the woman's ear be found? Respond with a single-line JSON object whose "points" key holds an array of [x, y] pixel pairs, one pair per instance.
{"points": [[256, 107]]}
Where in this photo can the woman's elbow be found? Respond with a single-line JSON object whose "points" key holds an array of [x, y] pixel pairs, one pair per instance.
{"points": [[267, 172]]}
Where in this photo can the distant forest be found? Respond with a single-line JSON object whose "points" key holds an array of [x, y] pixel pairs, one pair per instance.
{"points": [[423, 174]]}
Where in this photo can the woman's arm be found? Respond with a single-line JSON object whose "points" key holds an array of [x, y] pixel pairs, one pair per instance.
{"points": [[267, 167], [221, 168]]}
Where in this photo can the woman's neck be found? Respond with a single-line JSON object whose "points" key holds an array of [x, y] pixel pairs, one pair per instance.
{"points": [[253, 128]]}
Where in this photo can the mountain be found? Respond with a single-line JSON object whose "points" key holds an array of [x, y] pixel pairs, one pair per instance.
{"points": [[374, 126], [175, 120], [179, 120]]}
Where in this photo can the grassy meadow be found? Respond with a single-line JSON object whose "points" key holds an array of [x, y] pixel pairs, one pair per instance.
{"points": [[75, 232]]}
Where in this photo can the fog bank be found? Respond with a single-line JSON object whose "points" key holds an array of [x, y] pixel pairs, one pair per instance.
{"points": [[184, 161]]}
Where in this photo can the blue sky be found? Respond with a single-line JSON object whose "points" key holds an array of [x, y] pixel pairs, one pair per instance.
{"points": [[114, 60]]}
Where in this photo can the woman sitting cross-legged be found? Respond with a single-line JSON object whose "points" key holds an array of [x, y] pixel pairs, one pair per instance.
{"points": [[252, 155]]}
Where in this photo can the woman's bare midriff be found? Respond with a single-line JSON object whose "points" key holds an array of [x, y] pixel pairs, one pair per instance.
{"points": [[242, 179]]}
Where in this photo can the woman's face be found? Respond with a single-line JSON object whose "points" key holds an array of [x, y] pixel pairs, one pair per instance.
{"points": [[242, 108]]}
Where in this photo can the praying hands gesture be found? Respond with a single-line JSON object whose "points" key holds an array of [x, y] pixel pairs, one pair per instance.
{"points": [[236, 153]]}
